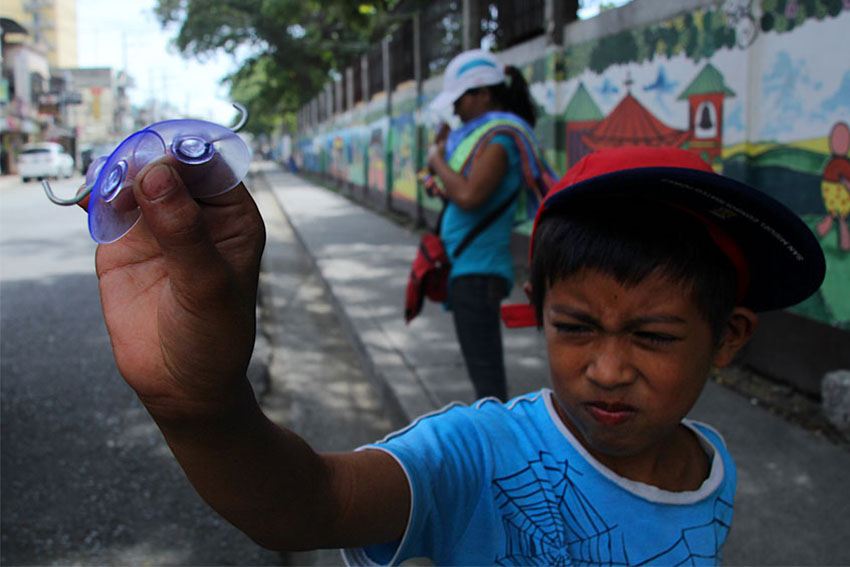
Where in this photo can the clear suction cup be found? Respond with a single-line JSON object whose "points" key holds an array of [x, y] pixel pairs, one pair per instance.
{"points": [[213, 159], [113, 210]]}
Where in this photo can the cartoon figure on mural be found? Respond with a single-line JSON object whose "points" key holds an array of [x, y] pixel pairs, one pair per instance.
{"points": [[835, 186], [377, 172], [404, 170], [337, 167]]}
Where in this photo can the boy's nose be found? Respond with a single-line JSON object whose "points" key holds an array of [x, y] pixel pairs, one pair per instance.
{"points": [[610, 366]]}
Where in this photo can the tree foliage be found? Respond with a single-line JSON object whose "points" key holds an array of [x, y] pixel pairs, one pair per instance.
{"points": [[288, 49]]}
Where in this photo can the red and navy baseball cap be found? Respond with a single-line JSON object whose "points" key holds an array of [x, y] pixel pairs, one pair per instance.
{"points": [[777, 257]]}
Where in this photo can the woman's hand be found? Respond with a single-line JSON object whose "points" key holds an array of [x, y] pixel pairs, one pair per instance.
{"points": [[442, 133], [435, 154], [485, 174], [437, 149], [179, 294]]}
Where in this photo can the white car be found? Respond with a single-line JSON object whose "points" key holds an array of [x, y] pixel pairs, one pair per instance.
{"points": [[43, 160]]}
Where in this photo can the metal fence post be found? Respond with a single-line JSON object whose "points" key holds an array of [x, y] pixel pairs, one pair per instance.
{"points": [[388, 153]]}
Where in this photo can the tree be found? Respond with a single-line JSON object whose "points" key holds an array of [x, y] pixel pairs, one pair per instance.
{"points": [[291, 48]]}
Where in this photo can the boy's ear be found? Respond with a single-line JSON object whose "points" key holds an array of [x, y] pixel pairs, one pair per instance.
{"points": [[526, 287], [740, 327]]}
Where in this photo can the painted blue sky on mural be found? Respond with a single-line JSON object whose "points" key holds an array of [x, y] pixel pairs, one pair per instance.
{"points": [[784, 90], [662, 86], [607, 89], [840, 101]]}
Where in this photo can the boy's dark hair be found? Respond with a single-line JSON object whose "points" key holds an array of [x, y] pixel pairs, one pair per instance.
{"points": [[630, 238]]}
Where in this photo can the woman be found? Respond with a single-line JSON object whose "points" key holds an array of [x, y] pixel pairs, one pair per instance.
{"points": [[481, 168]]}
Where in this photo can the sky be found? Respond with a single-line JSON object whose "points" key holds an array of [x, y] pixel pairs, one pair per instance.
{"points": [[590, 8], [123, 33]]}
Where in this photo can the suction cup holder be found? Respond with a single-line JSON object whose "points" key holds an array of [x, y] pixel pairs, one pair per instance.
{"points": [[211, 159]]}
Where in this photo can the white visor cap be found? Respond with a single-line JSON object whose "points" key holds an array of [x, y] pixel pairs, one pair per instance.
{"points": [[469, 70]]}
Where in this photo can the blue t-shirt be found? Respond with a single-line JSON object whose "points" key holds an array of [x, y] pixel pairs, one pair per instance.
{"points": [[508, 484], [489, 253]]}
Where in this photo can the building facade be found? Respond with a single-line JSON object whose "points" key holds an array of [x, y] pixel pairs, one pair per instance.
{"points": [[103, 112], [49, 23], [43, 94]]}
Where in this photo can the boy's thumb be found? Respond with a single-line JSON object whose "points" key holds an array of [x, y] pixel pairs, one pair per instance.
{"points": [[174, 218], [158, 183]]}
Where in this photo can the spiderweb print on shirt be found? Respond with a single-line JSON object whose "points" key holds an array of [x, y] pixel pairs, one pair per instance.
{"points": [[548, 519]]}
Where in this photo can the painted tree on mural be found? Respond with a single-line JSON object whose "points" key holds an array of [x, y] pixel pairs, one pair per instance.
{"points": [[698, 35], [618, 48], [784, 15]]}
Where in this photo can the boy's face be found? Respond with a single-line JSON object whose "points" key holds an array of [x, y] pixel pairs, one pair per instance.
{"points": [[626, 363]]}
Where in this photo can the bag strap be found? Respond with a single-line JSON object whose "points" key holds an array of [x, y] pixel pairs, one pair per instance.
{"points": [[484, 223]]}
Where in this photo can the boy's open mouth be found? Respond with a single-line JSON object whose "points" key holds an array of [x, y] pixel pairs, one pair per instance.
{"points": [[609, 413]]}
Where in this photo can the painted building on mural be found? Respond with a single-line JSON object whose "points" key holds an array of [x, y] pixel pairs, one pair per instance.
{"points": [[759, 89]]}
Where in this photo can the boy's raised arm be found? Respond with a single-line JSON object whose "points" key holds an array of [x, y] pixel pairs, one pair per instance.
{"points": [[178, 295]]}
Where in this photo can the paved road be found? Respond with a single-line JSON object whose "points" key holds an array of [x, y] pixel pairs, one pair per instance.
{"points": [[86, 478]]}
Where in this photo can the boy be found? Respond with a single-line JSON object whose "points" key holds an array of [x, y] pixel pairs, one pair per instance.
{"points": [[646, 271]]}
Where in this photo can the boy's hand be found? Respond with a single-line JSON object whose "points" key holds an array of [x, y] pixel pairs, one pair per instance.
{"points": [[179, 294]]}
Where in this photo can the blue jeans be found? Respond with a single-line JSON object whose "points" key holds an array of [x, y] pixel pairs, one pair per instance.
{"points": [[475, 301]]}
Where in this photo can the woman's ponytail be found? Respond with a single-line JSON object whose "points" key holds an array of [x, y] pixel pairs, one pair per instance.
{"points": [[514, 96]]}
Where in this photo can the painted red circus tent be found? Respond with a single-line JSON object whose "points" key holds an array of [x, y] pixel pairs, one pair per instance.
{"points": [[631, 123]]}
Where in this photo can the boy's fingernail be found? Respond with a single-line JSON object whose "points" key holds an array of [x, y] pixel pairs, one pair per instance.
{"points": [[158, 181]]}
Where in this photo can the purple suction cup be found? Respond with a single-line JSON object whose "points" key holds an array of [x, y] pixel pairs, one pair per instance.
{"points": [[94, 169], [112, 208], [210, 159], [213, 159]]}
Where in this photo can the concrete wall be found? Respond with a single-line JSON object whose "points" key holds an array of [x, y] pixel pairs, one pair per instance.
{"points": [[758, 88]]}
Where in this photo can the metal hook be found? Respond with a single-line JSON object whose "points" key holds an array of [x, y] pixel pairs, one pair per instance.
{"points": [[82, 193], [243, 118]]}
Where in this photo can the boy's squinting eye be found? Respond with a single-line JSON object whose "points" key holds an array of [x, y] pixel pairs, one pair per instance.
{"points": [[656, 338], [575, 329], [581, 330]]}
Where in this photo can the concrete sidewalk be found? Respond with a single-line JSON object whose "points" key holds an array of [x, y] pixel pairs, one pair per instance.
{"points": [[793, 502]]}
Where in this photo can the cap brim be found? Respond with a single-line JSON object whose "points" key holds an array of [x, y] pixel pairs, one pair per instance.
{"points": [[785, 259], [444, 99]]}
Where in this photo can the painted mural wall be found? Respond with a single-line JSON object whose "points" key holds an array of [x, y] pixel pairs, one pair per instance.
{"points": [[760, 90]]}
